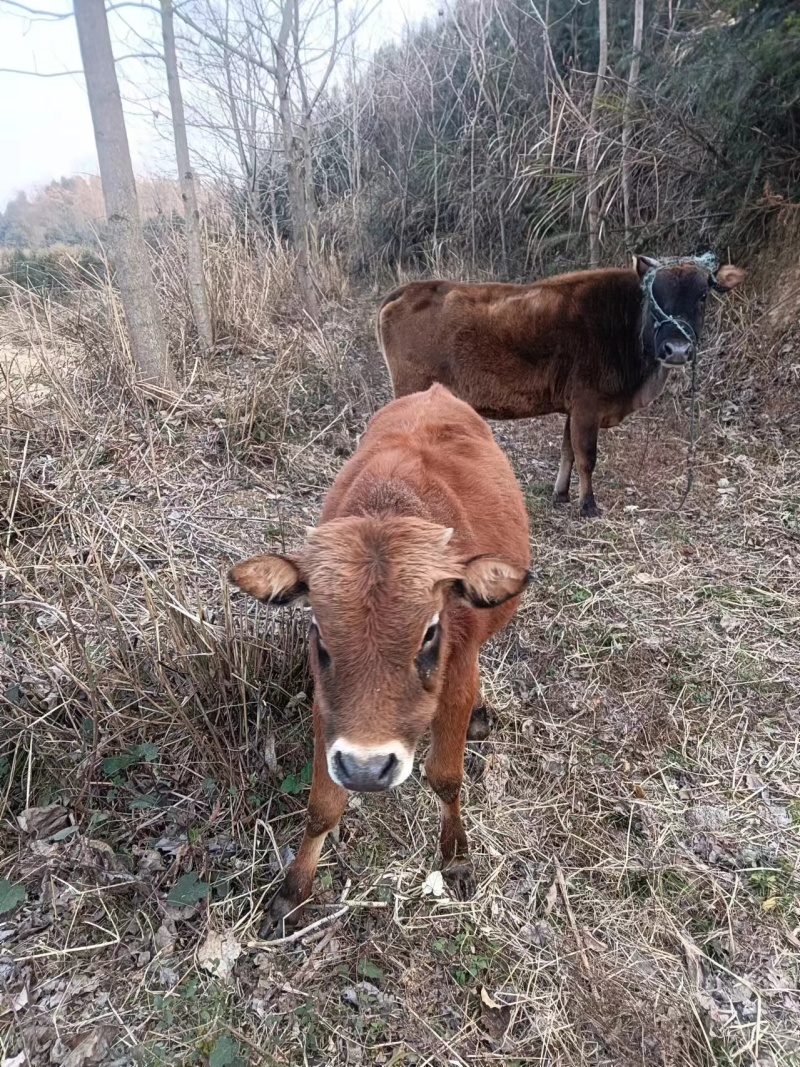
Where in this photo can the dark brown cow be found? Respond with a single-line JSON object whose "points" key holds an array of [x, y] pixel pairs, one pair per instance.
{"points": [[595, 346], [420, 555]]}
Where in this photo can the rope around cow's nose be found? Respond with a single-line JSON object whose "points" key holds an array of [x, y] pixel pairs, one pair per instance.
{"points": [[708, 261]]}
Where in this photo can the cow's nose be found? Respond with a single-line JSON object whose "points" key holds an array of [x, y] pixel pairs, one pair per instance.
{"points": [[365, 773], [677, 352]]}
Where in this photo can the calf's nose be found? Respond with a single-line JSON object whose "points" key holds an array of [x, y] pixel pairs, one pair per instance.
{"points": [[677, 351], [365, 773]]}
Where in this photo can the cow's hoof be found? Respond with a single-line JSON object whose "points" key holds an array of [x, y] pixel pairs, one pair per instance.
{"points": [[282, 919], [589, 510], [480, 725], [460, 878], [559, 499]]}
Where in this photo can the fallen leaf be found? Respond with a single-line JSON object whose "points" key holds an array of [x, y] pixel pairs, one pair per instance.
{"points": [[486, 998], [551, 898], [16, 1001], [270, 759], [643, 578], [218, 953], [495, 1017], [434, 885], [91, 1049], [495, 776], [755, 784], [43, 822], [164, 940], [13, 1061], [82, 984], [715, 1012]]}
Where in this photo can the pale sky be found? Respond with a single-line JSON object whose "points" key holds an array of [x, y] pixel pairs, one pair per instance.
{"points": [[45, 125]]}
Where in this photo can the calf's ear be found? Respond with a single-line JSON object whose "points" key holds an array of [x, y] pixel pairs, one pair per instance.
{"points": [[273, 579], [728, 277], [488, 581]]}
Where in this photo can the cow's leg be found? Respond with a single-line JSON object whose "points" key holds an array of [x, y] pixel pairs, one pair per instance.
{"points": [[445, 769], [480, 724], [561, 488], [584, 426], [325, 807]]}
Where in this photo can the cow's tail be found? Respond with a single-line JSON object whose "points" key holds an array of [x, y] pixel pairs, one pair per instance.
{"points": [[388, 299]]}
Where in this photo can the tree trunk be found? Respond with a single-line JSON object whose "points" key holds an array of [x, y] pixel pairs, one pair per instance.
{"points": [[194, 250], [627, 117], [127, 247], [594, 137], [293, 163]]}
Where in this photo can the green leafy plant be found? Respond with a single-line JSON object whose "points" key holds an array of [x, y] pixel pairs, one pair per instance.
{"points": [[294, 783], [225, 1053], [115, 765], [11, 895], [188, 890]]}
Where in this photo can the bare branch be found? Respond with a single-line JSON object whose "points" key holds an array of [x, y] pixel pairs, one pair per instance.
{"points": [[50, 16], [41, 73]]}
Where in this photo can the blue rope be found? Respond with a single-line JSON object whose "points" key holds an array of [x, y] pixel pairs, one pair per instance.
{"points": [[708, 261]]}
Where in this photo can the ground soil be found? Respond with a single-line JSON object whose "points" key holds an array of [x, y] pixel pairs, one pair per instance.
{"points": [[634, 815]]}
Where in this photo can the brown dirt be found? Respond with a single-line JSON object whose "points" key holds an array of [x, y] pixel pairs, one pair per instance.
{"points": [[634, 816]]}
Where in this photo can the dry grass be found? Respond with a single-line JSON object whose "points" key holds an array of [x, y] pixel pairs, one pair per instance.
{"points": [[634, 816]]}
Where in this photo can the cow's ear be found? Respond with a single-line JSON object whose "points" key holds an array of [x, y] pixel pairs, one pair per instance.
{"points": [[728, 277], [273, 579], [643, 264], [488, 581]]}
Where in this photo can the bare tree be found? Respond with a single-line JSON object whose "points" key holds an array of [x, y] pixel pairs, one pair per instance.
{"points": [[293, 156], [191, 214], [627, 115], [593, 204], [126, 241]]}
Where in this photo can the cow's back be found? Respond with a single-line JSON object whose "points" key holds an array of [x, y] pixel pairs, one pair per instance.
{"points": [[433, 448], [511, 351]]}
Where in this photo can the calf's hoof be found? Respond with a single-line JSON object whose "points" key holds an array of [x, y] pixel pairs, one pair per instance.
{"points": [[283, 917], [589, 510], [480, 724], [560, 498], [460, 879]]}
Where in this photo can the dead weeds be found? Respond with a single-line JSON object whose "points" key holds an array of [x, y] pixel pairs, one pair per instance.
{"points": [[635, 814]]}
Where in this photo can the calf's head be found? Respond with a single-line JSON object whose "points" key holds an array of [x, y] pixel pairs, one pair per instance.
{"points": [[381, 633], [675, 310]]}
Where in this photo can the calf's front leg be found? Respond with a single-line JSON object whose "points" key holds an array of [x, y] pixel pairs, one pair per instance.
{"points": [[445, 769], [325, 806]]}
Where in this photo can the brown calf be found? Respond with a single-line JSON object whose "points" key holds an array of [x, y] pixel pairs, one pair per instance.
{"points": [[420, 555], [595, 345]]}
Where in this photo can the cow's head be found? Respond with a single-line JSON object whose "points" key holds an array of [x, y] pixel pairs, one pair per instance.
{"points": [[381, 633], [675, 308]]}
